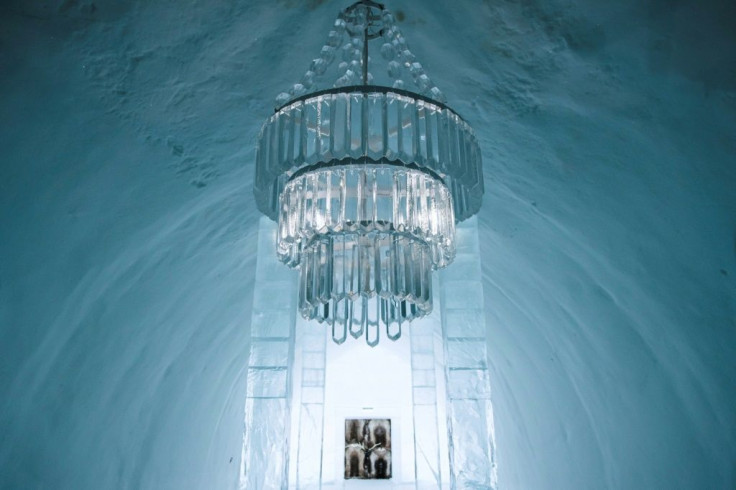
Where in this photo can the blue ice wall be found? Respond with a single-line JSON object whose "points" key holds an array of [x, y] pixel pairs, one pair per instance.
{"points": [[127, 232]]}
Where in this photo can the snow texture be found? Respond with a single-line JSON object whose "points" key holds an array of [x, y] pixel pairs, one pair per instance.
{"points": [[128, 231]]}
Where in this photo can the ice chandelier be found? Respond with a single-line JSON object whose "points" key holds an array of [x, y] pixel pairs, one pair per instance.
{"points": [[366, 179]]}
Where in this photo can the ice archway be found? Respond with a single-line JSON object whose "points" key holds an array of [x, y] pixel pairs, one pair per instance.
{"points": [[607, 232]]}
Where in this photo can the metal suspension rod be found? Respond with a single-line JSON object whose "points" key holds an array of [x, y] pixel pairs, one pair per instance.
{"points": [[368, 5]]}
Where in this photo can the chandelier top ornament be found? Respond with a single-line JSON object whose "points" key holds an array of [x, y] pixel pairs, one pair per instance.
{"points": [[366, 170]]}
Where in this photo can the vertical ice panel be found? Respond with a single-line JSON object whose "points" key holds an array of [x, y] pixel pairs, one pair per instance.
{"points": [[469, 408], [308, 406], [428, 474], [264, 461], [309, 459], [426, 393], [264, 449]]}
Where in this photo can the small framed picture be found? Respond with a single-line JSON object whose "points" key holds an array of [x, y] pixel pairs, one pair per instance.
{"points": [[367, 449]]}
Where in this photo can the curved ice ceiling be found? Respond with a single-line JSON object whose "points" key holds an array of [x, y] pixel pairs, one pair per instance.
{"points": [[128, 230]]}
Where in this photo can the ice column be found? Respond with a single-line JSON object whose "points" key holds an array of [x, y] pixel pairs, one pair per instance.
{"points": [[309, 406], [428, 392], [470, 413], [264, 462]]}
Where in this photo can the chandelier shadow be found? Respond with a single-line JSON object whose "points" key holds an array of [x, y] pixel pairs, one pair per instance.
{"points": [[366, 176]]}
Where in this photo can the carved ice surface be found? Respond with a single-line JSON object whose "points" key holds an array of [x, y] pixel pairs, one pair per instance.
{"points": [[473, 452], [433, 384], [265, 455]]}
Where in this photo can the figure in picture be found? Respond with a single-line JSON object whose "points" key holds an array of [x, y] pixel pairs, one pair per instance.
{"points": [[367, 449]]}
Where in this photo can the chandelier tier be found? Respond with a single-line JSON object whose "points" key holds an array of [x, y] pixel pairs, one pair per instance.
{"points": [[366, 180]]}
